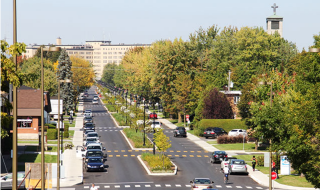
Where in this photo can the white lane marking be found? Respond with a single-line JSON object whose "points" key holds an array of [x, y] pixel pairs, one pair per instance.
{"points": [[110, 130], [115, 130], [188, 185], [137, 185], [127, 186], [218, 186], [147, 185], [158, 185], [248, 187], [239, 187], [259, 188], [117, 186], [86, 187], [168, 185], [228, 186], [178, 185], [105, 130], [107, 186]]}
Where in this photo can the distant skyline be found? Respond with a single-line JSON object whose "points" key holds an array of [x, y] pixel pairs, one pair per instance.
{"points": [[146, 21]]}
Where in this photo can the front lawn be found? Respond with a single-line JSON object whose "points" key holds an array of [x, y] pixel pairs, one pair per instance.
{"points": [[36, 158], [137, 138], [238, 146]]}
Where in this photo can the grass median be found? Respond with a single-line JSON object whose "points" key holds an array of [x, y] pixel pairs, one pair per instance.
{"points": [[137, 138], [158, 163]]}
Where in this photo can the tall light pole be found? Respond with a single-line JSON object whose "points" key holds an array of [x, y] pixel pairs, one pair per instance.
{"points": [[42, 114], [15, 107], [270, 151], [59, 128]]}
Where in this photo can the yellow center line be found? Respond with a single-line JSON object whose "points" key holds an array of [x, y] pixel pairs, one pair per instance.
{"points": [[117, 155], [176, 155], [178, 151], [129, 150], [116, 151], [137, 150], [191, 151], [109, 151], [206, 156], [143, 150], [133, 155], [184, 155], [125, 155], [110, 155], [199, 156], [191, 156], [170, 155], [171, 151], [199, 151], [206, 151], [185, 151], [122, 150]]}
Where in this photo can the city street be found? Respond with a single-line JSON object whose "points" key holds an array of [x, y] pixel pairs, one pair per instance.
{"points": [[124, 171]]}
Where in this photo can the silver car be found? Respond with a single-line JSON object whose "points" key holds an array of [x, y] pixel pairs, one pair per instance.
{"points": [[225, 162], [237, 166], [201, 183]]}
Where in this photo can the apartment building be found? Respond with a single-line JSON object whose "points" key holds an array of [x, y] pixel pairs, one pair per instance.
{"points": [[99, 53]]}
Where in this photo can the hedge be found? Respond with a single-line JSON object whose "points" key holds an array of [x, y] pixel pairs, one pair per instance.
{"points": [[226, 124], [50, 126], [52, 134], [225, 139], [66, 130]]}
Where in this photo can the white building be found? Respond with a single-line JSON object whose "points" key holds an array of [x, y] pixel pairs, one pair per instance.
{"points": [[99, 53], [274, 22]]}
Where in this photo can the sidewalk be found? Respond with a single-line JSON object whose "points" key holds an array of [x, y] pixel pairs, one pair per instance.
{"points": [[258, 176], [73, 164]]}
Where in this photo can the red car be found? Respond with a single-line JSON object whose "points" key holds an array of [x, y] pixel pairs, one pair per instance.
{"points": [[153, 116]]}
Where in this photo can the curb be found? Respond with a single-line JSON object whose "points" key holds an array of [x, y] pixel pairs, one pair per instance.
{"points": [[158, 174], [131, 144]]}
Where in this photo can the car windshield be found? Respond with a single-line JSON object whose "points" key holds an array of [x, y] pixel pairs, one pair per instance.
{"points": [[90, 153], [94, 160], [94, 147], [92, 135], [156, 123], [89, 131], [91, 140], [234, 130], [202, 181], [239, 162]]}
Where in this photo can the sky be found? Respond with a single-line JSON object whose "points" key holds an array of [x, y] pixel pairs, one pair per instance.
{"points": [[147, 21]]}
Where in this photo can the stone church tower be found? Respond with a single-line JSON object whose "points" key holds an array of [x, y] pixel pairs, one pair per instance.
{"points": [[274, 22]]}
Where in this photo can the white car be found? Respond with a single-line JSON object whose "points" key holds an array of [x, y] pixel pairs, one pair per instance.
{"points": [[201, 183], [225, 162], [156, 124], [87, 113], [236, 132], [95, 97], [94, 101]]}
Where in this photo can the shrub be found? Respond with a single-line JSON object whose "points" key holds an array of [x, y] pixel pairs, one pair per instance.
{"points": [[50, 126], [66, 131], [225, 139], [52, 134], [260, 160], [155, 162]]}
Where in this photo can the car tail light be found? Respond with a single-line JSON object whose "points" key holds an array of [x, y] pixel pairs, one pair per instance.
{"points": [[195, 186], [231, 166], [204, 132], [212, 133], [209, 187], [216, 156], [225, 164], [245, 166]]}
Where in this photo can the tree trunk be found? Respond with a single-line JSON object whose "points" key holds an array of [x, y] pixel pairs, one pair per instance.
{"points": [[256, 142], [179, 118]]}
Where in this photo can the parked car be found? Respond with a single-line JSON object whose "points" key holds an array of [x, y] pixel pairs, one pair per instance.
{"points": [[87, 113], [214, 132], [95, 146], [237, 166], [217, 156], [201, 183], [94, 163], [89, 140], [92, 134], [94, 101], [156, 124], [225, 162], [6, 180], [87, 119], [153, 116], [86, 132], [236, 132], [95, 97], [180, 131], [90, 126], [86, 94]]}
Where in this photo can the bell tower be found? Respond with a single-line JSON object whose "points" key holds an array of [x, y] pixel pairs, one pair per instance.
{"points": [[274, 22]]}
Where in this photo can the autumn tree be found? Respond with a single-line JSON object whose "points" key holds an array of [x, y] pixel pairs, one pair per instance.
{"points": [[162, 142], [216, 106]]}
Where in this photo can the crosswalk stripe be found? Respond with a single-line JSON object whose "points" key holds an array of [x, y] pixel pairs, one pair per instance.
{"points": [[158, 185], [137, 186], [188, 185], [117, 186], [86, 187], [239, 187], [168, 185], [178, 185], [147, 185], [218, 186], [127, 186], [248, 187], [259, 188], [228, 186], [107, 186]]}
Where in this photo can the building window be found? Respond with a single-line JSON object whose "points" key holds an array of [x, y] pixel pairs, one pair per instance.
{"points": [[236, 99], [81, 52], [114, 57], [105, 52], [24, 123], [109, 52], [120, 52], [97, 57], [120, 57], [109, 57], [114, 52], [105, 61], [275, 25], [109, 61], [70, 52], [89, 53]]}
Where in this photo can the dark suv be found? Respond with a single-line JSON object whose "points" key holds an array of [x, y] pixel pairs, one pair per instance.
{"points": [[214, 132], [218, 156], [153, 116], [180, 131]]}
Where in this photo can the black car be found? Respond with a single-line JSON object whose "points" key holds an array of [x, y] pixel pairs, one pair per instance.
{"points": [[87, 120], [180, 131], [95, 153], [94, 164], [88, 126], [214, 132], [218, 156]]}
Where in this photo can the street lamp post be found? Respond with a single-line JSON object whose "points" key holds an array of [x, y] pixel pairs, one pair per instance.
{"points": [[154, 128], [126, 94], [42, 114], [144, 123], [270, 152], [59, 131]]}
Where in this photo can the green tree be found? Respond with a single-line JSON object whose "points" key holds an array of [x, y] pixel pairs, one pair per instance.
{"points": [[64, 72], [53, 56], [162, 142]]}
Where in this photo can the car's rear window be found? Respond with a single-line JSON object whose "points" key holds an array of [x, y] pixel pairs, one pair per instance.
{"points": [[91, 153], [202, 181], [93, 147], [94, 160], [220, 152], [234, 130], [238, 162], [92, 135]]}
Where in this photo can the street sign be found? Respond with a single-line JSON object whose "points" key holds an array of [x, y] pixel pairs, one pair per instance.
{"points": [[273, 175], [187, 117]]}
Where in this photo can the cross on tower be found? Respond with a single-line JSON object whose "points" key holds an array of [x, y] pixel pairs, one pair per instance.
{"points": [[274, 8]]}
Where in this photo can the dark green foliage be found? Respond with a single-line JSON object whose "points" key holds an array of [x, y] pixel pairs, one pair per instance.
{"points": [[66, 131], [52, 134], [51, 55], [64, 72], [216, 106], [50, 126]]}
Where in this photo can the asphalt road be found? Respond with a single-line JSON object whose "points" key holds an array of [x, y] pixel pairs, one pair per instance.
{"points": [[124, 171]]}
